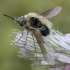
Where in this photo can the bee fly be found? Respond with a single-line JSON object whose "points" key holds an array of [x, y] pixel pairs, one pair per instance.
{"points": [[39, 25]]}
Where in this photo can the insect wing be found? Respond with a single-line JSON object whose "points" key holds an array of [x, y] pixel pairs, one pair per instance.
{"points": [[51, 12], [47, 53]]}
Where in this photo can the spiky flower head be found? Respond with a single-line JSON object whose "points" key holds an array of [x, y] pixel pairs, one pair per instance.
{"points": [[30, 49]]}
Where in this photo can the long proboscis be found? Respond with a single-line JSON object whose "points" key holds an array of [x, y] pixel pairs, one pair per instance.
{"points": [[8, 16]]}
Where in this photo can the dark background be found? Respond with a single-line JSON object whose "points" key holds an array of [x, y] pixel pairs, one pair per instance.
{"points": [[8, 53]]}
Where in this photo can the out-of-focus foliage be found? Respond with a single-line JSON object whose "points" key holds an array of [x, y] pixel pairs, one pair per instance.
{"points": [[8, 54]]}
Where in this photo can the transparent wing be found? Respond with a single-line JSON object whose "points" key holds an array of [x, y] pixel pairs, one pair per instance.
{"points": [[51, 12], [46, 48]]}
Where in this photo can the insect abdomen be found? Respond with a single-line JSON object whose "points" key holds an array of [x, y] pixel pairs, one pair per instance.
{"points": [[45, 30], [35, 23]]}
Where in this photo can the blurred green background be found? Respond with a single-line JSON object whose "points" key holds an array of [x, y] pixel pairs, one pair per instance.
{"points": [[8, 53]]}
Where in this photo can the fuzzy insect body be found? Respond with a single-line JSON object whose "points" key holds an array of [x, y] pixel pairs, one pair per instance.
{"points": [[40, 26]]}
